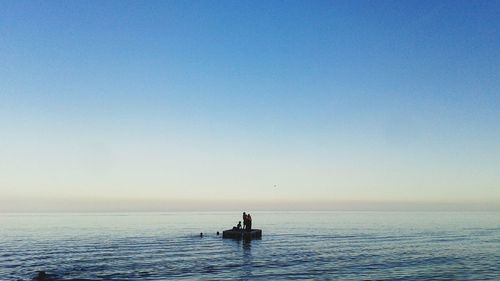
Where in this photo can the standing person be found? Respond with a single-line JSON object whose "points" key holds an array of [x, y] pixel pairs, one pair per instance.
{"points": [[249, 222], [244, 220]]}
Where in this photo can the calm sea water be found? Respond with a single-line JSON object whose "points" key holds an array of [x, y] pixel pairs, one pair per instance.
{"points": [[295, 245]]}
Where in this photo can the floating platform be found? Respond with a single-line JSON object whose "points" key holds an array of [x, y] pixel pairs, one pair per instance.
{"points": [[242, 234]]}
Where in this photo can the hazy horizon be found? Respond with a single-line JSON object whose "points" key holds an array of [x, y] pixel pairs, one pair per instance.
{"points": [[33, 205], [306, 104]]}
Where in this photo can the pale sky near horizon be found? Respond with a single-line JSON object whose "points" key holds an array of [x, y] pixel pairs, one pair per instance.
{"points": [[222, 100]]}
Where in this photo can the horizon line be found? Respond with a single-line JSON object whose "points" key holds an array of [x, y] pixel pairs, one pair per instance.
{"points": [[93, 205]]}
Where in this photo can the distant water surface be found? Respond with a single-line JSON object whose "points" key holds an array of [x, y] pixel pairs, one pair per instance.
{"points": [[295, 245]]}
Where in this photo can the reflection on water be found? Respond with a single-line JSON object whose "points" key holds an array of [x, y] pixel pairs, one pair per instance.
{"points": [[247, 244], [247, 258], [318, 245]]}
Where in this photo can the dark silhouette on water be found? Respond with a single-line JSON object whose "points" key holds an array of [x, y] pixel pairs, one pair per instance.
{"points": [[249, 222], [243, 233], [42, 276], [238, 226], [244, 220]]}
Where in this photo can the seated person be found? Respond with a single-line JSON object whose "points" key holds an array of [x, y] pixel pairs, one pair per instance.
{"points": [[238, 227]]}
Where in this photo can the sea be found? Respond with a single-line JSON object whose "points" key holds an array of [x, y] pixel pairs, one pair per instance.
{"points": [[294, 246]]}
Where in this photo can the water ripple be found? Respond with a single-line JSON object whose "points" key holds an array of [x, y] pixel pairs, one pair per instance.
{"points": [[467, 250]]}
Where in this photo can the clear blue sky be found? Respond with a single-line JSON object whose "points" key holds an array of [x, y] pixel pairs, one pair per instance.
{"points": [[216, 100]]}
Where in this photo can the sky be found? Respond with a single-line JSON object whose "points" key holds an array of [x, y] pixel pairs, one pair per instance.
{"points": [[206, 104]]}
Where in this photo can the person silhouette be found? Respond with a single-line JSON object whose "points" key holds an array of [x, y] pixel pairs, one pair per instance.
{"points": [[249, 222], [244, 220]]}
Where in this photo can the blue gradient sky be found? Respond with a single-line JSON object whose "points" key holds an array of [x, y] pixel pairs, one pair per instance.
{"points": [[221, 100]]}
